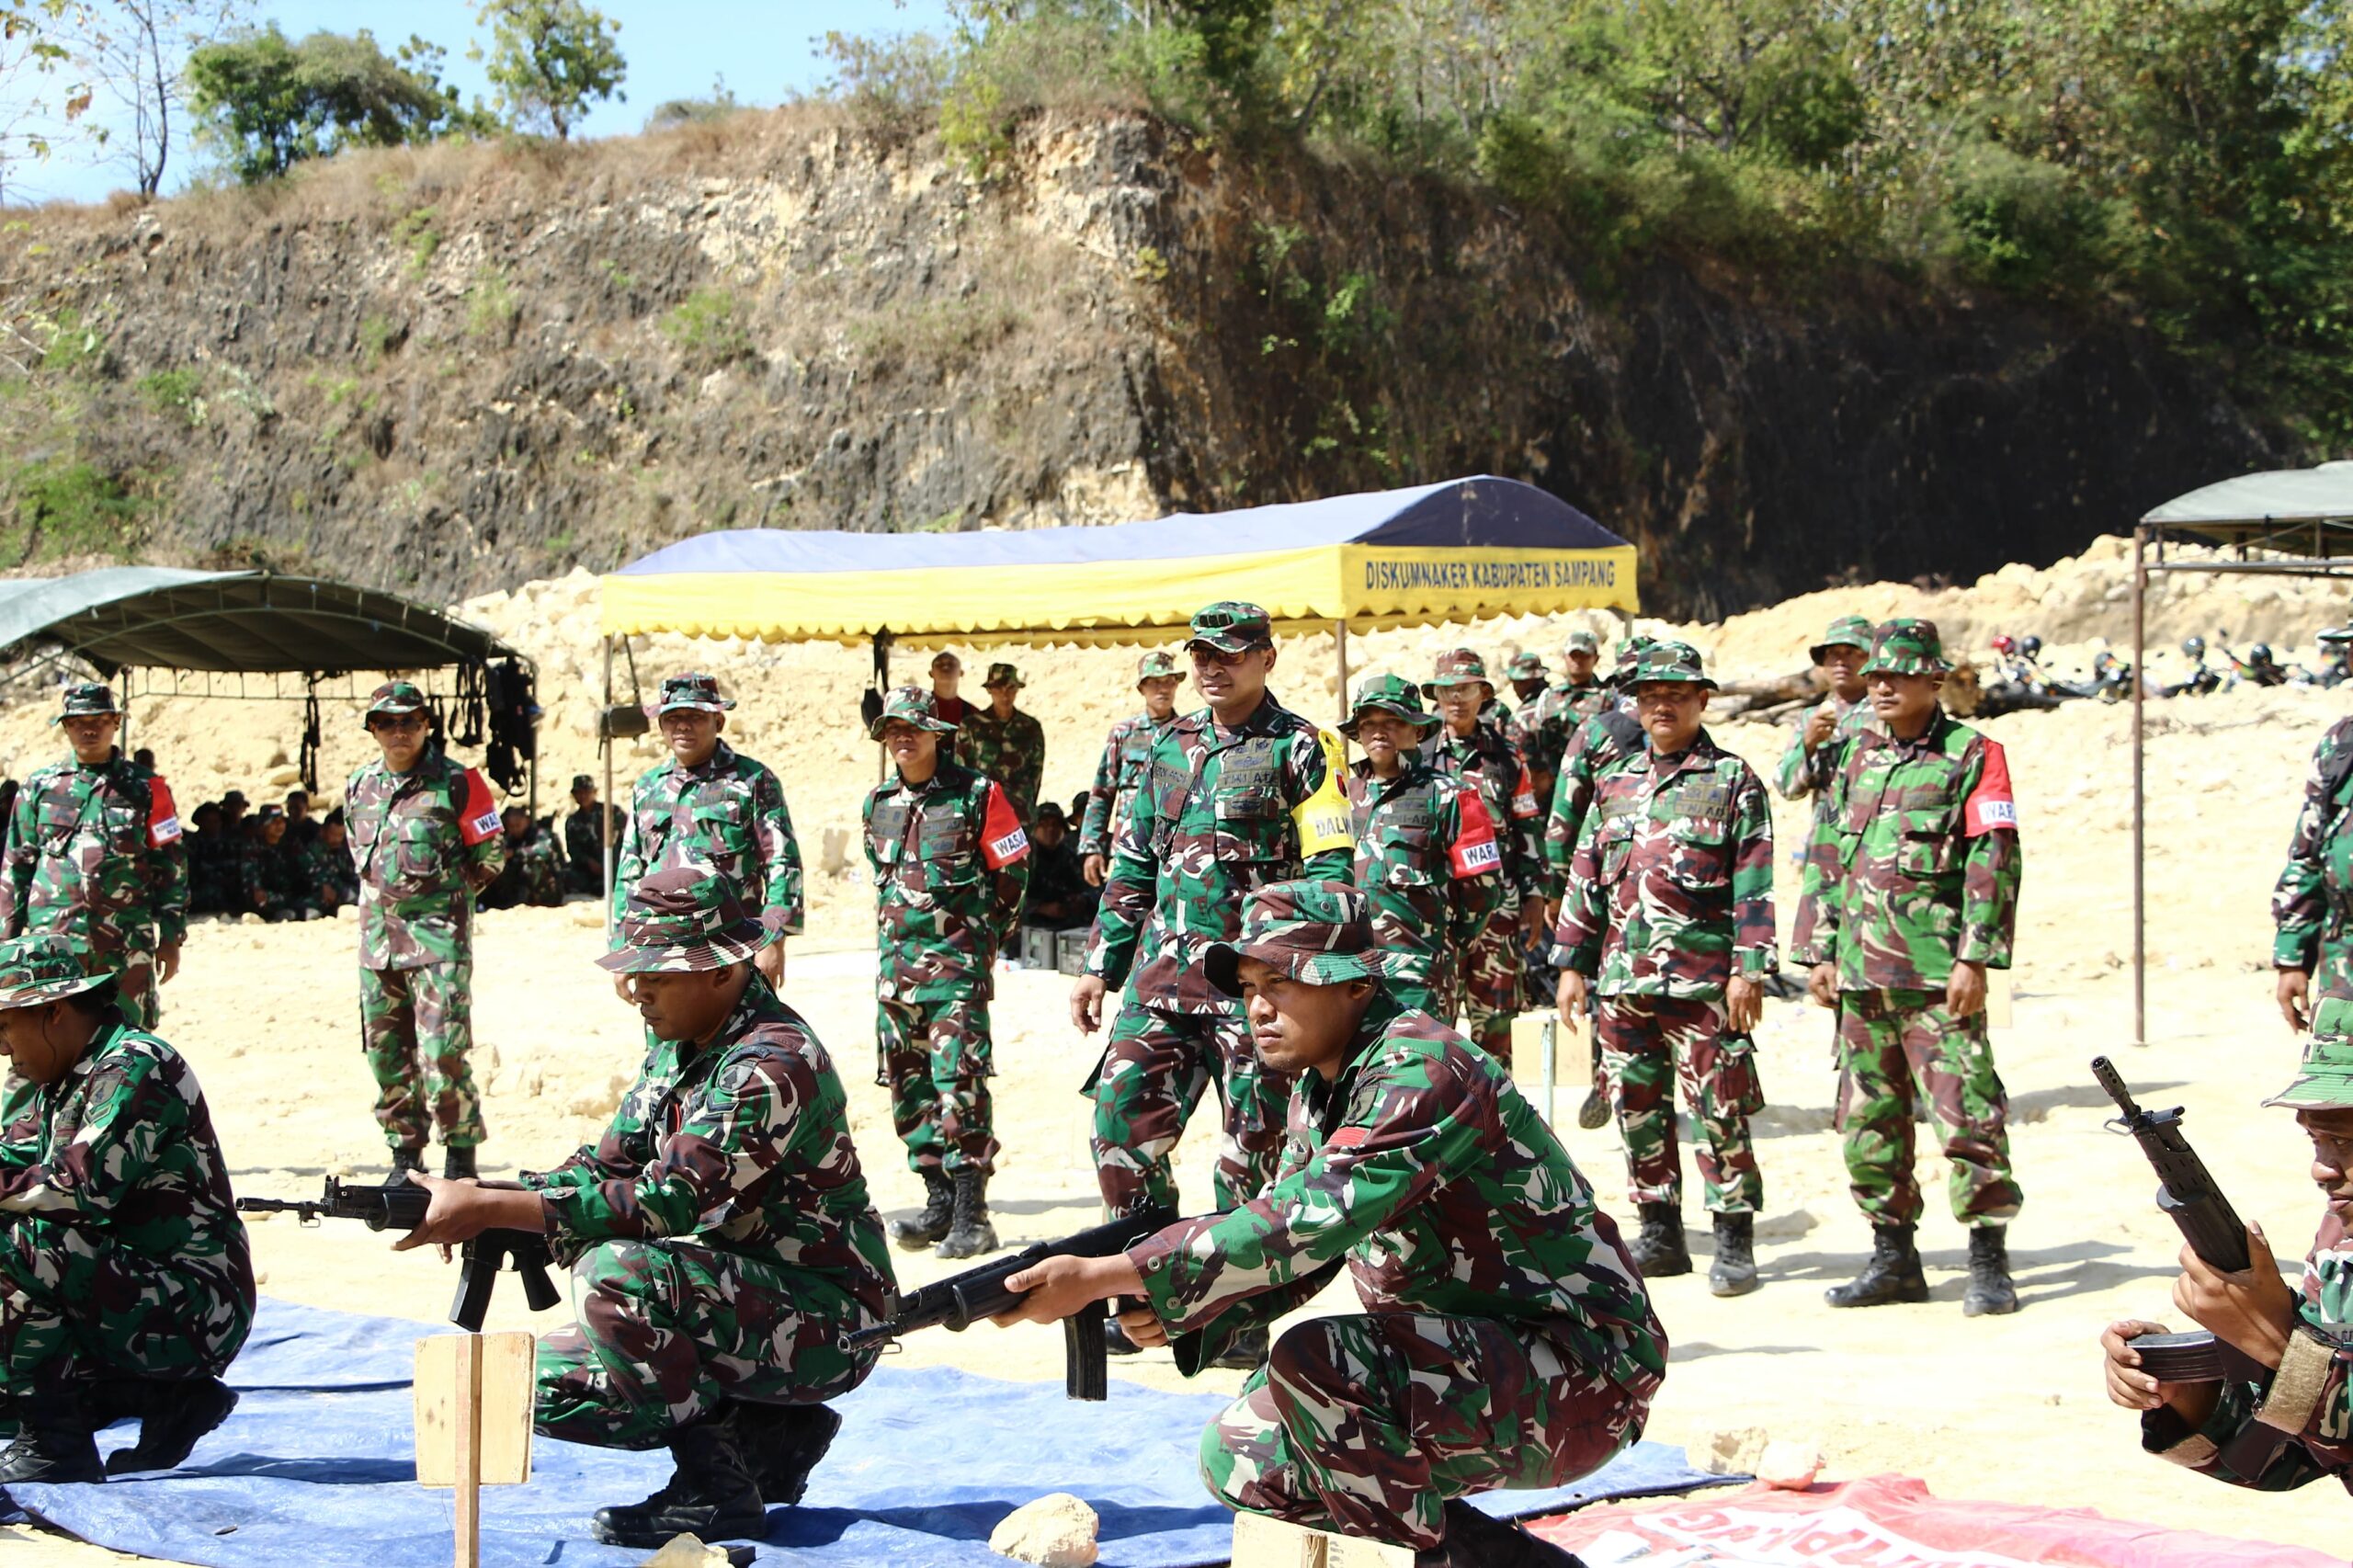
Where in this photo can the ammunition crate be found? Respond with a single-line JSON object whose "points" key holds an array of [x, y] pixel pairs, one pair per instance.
{"points": [[1070, 948], [1037, 947]]}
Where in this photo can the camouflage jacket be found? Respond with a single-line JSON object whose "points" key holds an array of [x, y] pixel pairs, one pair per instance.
{"points": [[2313, 902], [1671, 887], [1221, 814], [1427, 1174], [94, 854], [424, 843], [323, 871], [123, 1145], [740, 1145], [1595, 746], [1487, 761], [729, 814], [533, 874], [270, 876], [1127, 759], [1917, 863], [1427, 861], [584, 847], [1805, 773], [1011, 750], [1542, 728], [950, 864], [2293, 1424]]}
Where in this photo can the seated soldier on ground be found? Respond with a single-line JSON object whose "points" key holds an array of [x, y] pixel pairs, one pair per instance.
{"points": [[267, 876], [211, 862], [720, 1235], [325, 866], [1059, 895], [533, 873], [300, 829], [125, 1285], [1508, 1340]]}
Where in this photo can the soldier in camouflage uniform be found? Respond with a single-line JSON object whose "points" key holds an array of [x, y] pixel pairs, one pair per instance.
{"points": [[1669, 917], [533, 874], [425, 839], [1911, 895], [1813, 757], [1529, 678], [1127, 760], [94, 855], [1000, 741], [585, 837], [2312, 908], [269, 874], [710, 805], [950, 863], [125, 1284], [1543, 725], [1425, 855], [719, 1234], [325, 866], [1508, 1340], [1492, 984]]}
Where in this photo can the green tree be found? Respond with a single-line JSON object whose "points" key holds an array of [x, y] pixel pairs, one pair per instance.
{"points": [[268, 104], [549, 60]]}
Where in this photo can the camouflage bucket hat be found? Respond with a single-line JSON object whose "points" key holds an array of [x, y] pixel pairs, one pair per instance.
{"points": [[582, 781], [39, 968], [1318, 932], [1846, 631], [1665, 662], [1629, 653], [1526, 666], [1158, 665], [1231, 626], [684, 920], [911, 705], [1456, 666], [1581, 642], [692, 691], [1004, 674], [2324, 1082], [89, 699], [395, 698], [1389, 694], [1906, 647]]}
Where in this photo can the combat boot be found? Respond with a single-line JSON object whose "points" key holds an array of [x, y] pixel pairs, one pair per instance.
{"points": [[1659, 1250], [710, 1496], [1245, 1352], [1475, 1541], [173, 1414], [1892, 1274], [970, 1234], [780, 1444], [56, 1437], [1991, 1294], [458, 1165], [406, 1158], [1733, 1273], [938, 1209]]}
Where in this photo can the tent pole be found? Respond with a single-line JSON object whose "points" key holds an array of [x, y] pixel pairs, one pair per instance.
{"points": [[883, 689], [605, 799], [1340, 641], [2140, 804]]}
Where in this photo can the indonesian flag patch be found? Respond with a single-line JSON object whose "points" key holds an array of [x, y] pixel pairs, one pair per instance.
{"points": [[1991, 804]]}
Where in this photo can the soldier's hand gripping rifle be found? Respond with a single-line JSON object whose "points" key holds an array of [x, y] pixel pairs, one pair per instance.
{"points": [[978, 1294], [402, 1206]]}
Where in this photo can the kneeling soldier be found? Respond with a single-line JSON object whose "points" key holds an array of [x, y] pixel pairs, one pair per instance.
{"points": [[719, 1234], [125, 1284], [1507, 1342]]}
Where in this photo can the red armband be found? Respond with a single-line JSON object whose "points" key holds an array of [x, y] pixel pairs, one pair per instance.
{"points": [[1991, 804], [162, 815], [477, 812], [1475, 851], [1002, 840]]}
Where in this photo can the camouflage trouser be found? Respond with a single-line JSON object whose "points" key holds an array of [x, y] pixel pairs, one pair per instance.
{"points": [[1491, 970], [1888, 1042], [1367, 1425], [1153, 1074], [69, 1294], [664, 1331], [134, 984], [1647, 1042], [936, 1063], [423, 1015], [2330, 996]]}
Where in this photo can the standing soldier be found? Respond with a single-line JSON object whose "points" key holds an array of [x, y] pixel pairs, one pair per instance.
{"points": [[1669, 917], [1911, 895], [1004, 742], [1127, 758], [425, 836], [1548, 719], [586, 831], [950, 863], [2309, 907], [1427, 855], [1813, 759], [710, 805], [1492, 975], [1529, 678]]}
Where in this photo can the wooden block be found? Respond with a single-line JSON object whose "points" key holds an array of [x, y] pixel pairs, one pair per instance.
{"points": [[445, 1389], [1262, 1542]]}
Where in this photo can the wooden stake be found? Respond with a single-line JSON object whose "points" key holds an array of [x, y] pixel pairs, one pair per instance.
{"points": [[469, 1453]]}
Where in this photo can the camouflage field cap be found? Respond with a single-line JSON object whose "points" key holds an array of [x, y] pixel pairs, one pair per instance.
{"points": [[1231, 626], [91, 699], [1677, 662], [1003, 674], [1629, 653], [692, 691], [911, 705], [395, 698], [1389, 694], [1581, 642], [1906, 647], [1526, 666], [39, 968], [684, 920], [1457, 666], [1846, 631], [1318, 932], [2324, 1082], [1158, 665], [2334, 636], [582, 781]]}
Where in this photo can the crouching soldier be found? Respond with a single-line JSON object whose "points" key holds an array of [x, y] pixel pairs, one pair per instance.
{"points": [[719, 1234], [125, 1284], [1508, 1340]]}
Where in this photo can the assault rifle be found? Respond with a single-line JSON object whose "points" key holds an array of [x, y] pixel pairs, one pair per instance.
{"points": [[2208, 1224], [978, 1294], [402, 1206]]}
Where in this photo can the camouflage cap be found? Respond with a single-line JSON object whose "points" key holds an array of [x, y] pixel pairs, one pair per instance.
{"points": [[692, 691], [2324, 1082], [1526, 666], [684, 920], [88, 699], [1003, 674], [582, 781], [1664, 661], [394, 698], [1457, 666], [911, 705], [42, 968], [2329, 635], [1231, 626], [1318, 932], [1906, 647], [1846, 631], [1580, 642], [1389, 694], [1158, 665], [1629, 653]]}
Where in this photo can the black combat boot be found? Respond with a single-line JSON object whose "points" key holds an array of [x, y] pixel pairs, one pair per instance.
{"points": [[710, 1496], [780, 1444], [54, 1437], [1991, 1294], [1892, 1274], [457, 1164], [1475, 1541], [405, 1158], [970, 1234], [1659, 1250], [1245, 1352], [938, 1209], [173, 1414], [1733, 1273]]}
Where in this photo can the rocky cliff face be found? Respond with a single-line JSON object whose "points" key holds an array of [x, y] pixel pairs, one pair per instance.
{"points": [[452, 369]]}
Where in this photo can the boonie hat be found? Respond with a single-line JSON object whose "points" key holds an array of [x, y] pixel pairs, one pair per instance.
{"points": [[2324, 1082], [1629, 653], [1003, 674], [681, 920], [582, 781], [1231, 626], [39, 968], [1156, 666], [692, 691], [1580, 642], [233, 798], [1389, 694], [1457, 666], [1846, 631], [88, 699], [1906, 647], [1526, 666], [394, 698], [1665, 662], [1318, 932], [911, 705]]}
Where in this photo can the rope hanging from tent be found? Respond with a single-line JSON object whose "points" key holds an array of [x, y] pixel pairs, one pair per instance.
{"points": [[466, 727], [507, 694], [312, 732]]}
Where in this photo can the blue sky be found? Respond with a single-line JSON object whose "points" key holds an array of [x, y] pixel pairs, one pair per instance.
{"points": [[765, 49]]}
